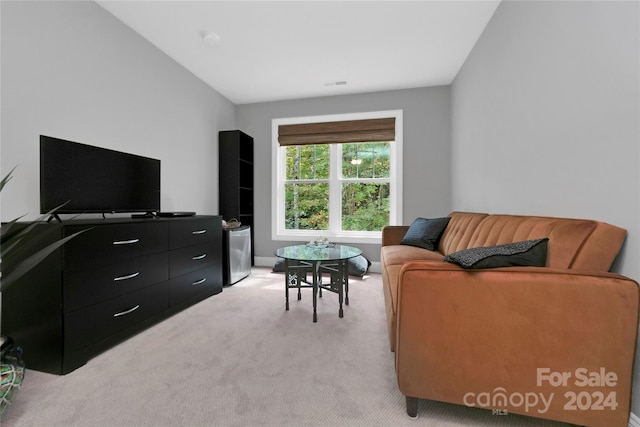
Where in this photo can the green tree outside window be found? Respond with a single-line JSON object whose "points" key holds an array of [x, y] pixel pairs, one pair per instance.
{"points": [[364, 170]]}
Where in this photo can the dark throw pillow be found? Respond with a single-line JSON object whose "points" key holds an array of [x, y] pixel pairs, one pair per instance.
{"points": [[532, 253], [425, 233]]}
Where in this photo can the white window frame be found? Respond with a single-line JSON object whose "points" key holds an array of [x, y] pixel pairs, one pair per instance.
{"points": [[334, 234]]}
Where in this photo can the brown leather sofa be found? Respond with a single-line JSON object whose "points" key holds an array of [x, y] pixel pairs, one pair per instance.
{"points": [[555, 342]]}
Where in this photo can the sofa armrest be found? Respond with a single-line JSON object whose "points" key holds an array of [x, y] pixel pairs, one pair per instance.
{"points": [[461, 333], [393, 234]]}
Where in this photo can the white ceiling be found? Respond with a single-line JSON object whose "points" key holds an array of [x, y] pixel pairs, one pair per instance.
{"points": [[277, 50]]}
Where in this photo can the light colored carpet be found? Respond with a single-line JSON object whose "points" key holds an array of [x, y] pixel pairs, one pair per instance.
{"points": [[239, 359]]}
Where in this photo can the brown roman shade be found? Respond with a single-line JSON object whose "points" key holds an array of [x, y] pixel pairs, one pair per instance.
{"points": [[370, 130]]}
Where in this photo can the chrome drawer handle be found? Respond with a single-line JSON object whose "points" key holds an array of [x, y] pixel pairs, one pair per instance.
{"points": [[199, 232], [199, 257], [197, 282], [126, 242], [127, 277], [123, 313]]}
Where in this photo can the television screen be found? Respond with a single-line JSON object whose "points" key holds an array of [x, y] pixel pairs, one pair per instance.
{"points": [[96, 180]]}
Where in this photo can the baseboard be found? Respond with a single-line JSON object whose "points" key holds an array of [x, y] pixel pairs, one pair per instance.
{"points": [[375, 267], [265, 261], [634, 420]]}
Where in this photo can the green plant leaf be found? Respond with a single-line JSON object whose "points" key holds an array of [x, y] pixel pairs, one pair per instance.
{"points": [[27, 264], [10, 234], [7, 178], [15, 246]]}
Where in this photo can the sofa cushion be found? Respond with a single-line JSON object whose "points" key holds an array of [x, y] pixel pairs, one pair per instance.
{"points": [[531, 253], [567, 237], [425, 233], [458, 233], [399, 254]]}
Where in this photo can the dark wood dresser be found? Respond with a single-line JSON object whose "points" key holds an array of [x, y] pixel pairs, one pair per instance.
{"points": [[109, 283]]}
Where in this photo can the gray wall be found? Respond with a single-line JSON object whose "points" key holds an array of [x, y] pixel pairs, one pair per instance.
{"points": [[542, 119], [545, 118], [426, 174], [71, 70]]}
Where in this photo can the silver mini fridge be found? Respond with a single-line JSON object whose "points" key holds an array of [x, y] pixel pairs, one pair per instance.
{"points": [[237, 254]]}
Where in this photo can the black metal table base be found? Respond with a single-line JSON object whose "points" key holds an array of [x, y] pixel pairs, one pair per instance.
{"points": [[338, 281]]}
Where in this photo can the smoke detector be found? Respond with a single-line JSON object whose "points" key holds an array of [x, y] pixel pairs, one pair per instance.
{"points": [[336, 83], [210, 39]]}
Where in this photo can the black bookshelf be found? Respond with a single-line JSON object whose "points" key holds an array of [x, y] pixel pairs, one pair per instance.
{"points": [[236, 178]]}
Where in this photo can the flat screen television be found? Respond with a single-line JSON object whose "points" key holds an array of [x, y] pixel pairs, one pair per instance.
{"points": [[96, 180]]}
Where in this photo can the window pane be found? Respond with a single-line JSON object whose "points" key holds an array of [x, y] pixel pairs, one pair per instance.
{"points": [[365, 207], [306, 206], [307, 162], [365, 160]]}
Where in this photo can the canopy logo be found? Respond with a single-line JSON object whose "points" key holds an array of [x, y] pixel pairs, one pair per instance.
{"points": [[499, 398], [595, 393]]}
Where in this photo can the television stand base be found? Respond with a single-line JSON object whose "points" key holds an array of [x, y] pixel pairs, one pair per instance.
{"points": [[144, 215], [175, 214], [53, 216]]}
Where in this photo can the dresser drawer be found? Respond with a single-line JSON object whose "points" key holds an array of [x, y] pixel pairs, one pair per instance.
{"points": [[90, 286], [104, 244], [185, 260], [193, 232], [89, 325], [206, 281]]}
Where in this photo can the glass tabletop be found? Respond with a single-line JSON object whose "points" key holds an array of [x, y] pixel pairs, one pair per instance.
{"points": [[315, 253]]}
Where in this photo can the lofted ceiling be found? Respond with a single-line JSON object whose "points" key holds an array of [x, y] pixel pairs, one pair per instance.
{"points": [[279, 50]]}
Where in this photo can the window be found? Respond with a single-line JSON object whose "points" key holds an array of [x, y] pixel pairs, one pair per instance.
{"points": [[341, 182]]}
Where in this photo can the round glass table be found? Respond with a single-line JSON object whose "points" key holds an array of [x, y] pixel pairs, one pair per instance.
{"points": [[317, 260]]}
